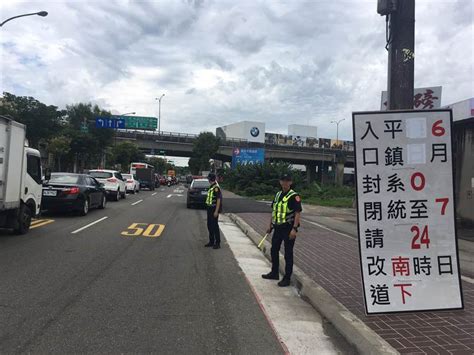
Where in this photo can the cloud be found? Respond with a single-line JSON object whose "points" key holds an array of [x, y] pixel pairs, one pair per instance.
{"points": [[222, 61]]}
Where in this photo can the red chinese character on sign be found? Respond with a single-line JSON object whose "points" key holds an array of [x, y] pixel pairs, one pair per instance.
{"points": [[425, 100], [401, 266], [404, 292]]}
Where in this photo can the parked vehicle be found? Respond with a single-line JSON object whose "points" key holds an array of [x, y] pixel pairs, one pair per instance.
{"points": [[131, 183], [146, 176], [113, 181], [197, 193], [20, 178], [73, 192]]}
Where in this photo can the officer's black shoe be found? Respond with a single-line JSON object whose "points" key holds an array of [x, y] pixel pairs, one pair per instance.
{"points": [[271, 276], [217, 246], [284, 282], [208, 245]]}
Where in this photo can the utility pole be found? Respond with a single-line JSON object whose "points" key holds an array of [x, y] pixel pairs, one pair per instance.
{"points": [[401, 52], [159, 113], [337, 129]]}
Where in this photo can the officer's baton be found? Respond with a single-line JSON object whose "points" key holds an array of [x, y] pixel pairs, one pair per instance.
{"points": [[262, 241]]}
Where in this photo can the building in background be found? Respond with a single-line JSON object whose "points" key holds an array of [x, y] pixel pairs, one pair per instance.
{"points": [[250, 131]]}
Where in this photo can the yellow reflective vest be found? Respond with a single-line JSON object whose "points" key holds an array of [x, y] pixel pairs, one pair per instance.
{"points": [[281, 213]]}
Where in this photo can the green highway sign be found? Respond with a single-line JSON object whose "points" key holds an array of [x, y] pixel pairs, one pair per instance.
{"points": [[139, 122]]}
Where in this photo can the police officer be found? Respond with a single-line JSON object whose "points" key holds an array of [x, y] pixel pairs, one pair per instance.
{"points": [[214, 207], [286, 210]]}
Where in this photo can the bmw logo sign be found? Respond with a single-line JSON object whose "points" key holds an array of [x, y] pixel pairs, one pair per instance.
{"points": [[254, 132]]}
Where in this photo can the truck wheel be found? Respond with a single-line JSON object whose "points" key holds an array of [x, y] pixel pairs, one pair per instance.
{"points": [[85, 207], [24, 220]]}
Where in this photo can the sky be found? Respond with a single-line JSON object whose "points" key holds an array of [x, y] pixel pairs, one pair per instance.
{"points": [[220, 62]]}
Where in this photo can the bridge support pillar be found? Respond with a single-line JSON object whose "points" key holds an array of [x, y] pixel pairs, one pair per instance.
{"points": [[311, 173], [339, 173]]}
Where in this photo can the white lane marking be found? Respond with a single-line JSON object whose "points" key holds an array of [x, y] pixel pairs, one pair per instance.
{"points": [[154, 193], [467, 279], [296, 323], [89, 225], [329, 229], [169, 196], [136, 203]]}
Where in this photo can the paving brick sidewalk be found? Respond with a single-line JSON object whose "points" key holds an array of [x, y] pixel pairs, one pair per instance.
{"points": [[332, 260]]}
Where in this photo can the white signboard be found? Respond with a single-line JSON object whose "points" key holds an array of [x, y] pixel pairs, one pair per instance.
{"points": [[406, 220], [423, 99]]}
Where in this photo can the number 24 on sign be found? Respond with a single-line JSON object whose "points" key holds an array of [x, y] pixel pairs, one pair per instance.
{"points": [[144, 230]]}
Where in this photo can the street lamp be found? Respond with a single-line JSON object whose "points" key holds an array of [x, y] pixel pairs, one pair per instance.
{"points": [[159, 112], [128, 113], [41, 13], [337, 128]]}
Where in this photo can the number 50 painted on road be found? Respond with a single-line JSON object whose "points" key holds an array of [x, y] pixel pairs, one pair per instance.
{"points": [[144, 229]]}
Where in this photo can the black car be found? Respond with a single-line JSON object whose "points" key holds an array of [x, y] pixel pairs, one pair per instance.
{"points": [[73, 192], [197, 193]]}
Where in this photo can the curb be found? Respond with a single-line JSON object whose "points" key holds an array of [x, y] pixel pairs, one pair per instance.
{"points": [[356, 332]]}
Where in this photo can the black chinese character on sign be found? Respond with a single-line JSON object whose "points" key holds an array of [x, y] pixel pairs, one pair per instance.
{"points": [[396, 209], [393, 156], [422, 264], [369, 129], [401, 266], [373, 211], [418, 209], [373, 238], [445, 264], [370, 156], [371, 184], [393, 126], [379, 295], [376, 265], [395, 183], [439, 150]]}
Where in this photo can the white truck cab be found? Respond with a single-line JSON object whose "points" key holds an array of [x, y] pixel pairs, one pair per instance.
{"points": [[20, 178]]}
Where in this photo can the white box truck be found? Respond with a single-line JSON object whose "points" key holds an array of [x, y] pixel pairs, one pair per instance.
{"points": [[20, 178]]}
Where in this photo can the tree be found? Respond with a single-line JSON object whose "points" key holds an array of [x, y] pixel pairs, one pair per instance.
{"points": [[194, 165], [159, 164], [59, 147], [205, 147], [126, 152], [42, 121]]}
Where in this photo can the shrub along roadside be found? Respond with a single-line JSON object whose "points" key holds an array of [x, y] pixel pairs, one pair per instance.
{"points": [[262, 181]]}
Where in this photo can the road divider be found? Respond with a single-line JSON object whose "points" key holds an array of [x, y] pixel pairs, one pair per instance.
{"points": [[136, 203], [144, 230], [89, 225]]}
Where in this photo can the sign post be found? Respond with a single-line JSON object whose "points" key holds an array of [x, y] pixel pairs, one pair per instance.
{"points": [[406, 219]]}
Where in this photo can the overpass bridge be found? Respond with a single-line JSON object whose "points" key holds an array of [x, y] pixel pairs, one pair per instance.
{"points": [[316, 160]]}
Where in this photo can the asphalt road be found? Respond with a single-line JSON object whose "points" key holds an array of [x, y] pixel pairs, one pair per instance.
{"points": [[97, 290]]}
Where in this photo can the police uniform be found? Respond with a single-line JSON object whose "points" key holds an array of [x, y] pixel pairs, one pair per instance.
{"points": [[213, 194], [284, 208]]}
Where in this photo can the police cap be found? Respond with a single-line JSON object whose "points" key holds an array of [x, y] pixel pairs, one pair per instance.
{"points": [[286, 177]]}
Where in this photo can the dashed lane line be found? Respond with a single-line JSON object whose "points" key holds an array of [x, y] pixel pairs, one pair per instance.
{"points": [[89, 225], [154, 193], [136, 203]]}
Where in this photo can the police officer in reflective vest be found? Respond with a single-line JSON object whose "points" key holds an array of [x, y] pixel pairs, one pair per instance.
{"points": [[286, 210], [214, 207]]}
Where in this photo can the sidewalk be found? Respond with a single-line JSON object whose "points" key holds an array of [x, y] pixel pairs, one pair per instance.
{"points": [[331, 259]]}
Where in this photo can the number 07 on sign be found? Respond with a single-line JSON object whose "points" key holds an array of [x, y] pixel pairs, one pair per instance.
{"points": [[405, 211]]}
